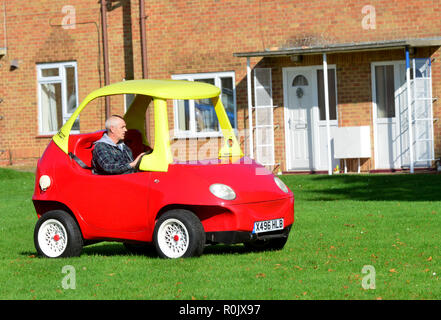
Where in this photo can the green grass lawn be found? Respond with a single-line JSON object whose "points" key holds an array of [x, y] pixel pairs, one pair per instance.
{"points": [[342, 223]]}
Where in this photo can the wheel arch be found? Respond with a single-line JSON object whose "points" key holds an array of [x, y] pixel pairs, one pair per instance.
{"points": [[210, 216], [43, 206]]}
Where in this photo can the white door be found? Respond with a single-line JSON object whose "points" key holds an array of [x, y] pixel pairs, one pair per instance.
{"points": [[389, 102], [299, 119], [305, 119]]}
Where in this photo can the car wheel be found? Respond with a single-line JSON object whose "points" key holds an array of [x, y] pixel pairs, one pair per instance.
{"points": [[269, 244], [179, 234], [57, 235]]}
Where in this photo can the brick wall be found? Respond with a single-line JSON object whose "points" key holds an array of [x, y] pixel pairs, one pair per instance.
{"points": [[35, 35], [193, 37]]}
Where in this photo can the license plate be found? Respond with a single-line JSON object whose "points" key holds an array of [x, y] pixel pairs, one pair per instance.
{"points": [[268, 225]]}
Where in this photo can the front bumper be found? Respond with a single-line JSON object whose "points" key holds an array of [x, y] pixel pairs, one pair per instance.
{"points": [[241, 217], [230, 237]]}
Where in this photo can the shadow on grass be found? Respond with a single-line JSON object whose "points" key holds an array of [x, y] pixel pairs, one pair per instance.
{"points": [[112, 249], [378, 187], [108, 249], [118, 249], [220, 249]]}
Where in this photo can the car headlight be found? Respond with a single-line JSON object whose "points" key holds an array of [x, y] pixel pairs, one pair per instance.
{"points": [[45, 182], [281, 185], [222, 191]]}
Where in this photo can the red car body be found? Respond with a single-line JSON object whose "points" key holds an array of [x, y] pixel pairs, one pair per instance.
{"points": [[143, 196], [177, 206]]}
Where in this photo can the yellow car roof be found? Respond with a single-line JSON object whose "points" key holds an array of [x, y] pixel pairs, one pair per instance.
{"points": [[164, 89], [160, 89]]}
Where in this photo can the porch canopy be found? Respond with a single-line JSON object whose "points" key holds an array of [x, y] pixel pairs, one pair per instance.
{"points": [[324, 49], [343, 47]]}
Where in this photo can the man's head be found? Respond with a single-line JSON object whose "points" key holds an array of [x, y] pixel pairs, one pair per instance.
{"points": [[116, 128]]}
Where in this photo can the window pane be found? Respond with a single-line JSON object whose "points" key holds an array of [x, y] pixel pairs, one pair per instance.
{"points": [[201, 111], [205, 116], [183, 114], [50, 72], [209, 81], [128, 99], [422, 67], [71, 89], [262, 77], [385, 92], [331, 94], [265, 154], [227, 97], [265, 136], [51, 107], [76, 125], [262, 87], [263, 97], [264, 116]]}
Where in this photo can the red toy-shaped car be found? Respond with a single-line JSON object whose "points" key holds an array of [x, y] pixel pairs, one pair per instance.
{"points": [[177, 206]]}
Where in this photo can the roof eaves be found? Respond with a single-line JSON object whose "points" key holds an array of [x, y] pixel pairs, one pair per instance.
{"points": [[344, 47]]}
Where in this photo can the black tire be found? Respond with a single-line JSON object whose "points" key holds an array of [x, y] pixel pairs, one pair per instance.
{"points": [[264, 245], [57, 235], [188, 230]]}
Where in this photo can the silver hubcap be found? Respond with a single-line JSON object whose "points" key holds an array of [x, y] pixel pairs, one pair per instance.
{"points": [[173, 238]]}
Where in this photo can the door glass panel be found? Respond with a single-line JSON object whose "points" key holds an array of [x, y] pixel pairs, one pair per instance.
{"points": [[264, 116], [385, 91], [300, 80], [422, 68], [331, 93], [262, 87]]}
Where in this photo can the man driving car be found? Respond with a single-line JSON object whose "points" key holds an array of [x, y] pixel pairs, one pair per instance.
{"points": [[111, 155]]}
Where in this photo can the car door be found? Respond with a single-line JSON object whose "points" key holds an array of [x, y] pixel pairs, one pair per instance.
{"points": [[113, 202]]}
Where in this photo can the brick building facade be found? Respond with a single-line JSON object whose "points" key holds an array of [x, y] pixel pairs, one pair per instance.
{"points": [[54, 48]]}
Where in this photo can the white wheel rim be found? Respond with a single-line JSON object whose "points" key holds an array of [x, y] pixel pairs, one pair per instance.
{"points": [[52, 238], [173, 238]]}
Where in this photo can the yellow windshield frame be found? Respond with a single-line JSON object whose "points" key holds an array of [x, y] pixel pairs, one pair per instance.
{"points": [[160, 91]]}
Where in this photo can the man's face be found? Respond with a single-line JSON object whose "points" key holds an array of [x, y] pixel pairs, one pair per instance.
{"points": [[119, 129]]}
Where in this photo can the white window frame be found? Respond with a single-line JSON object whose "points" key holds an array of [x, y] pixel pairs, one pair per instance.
{"points": [[270, 125], [128, 99], [61, 78], [192, 133]]}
